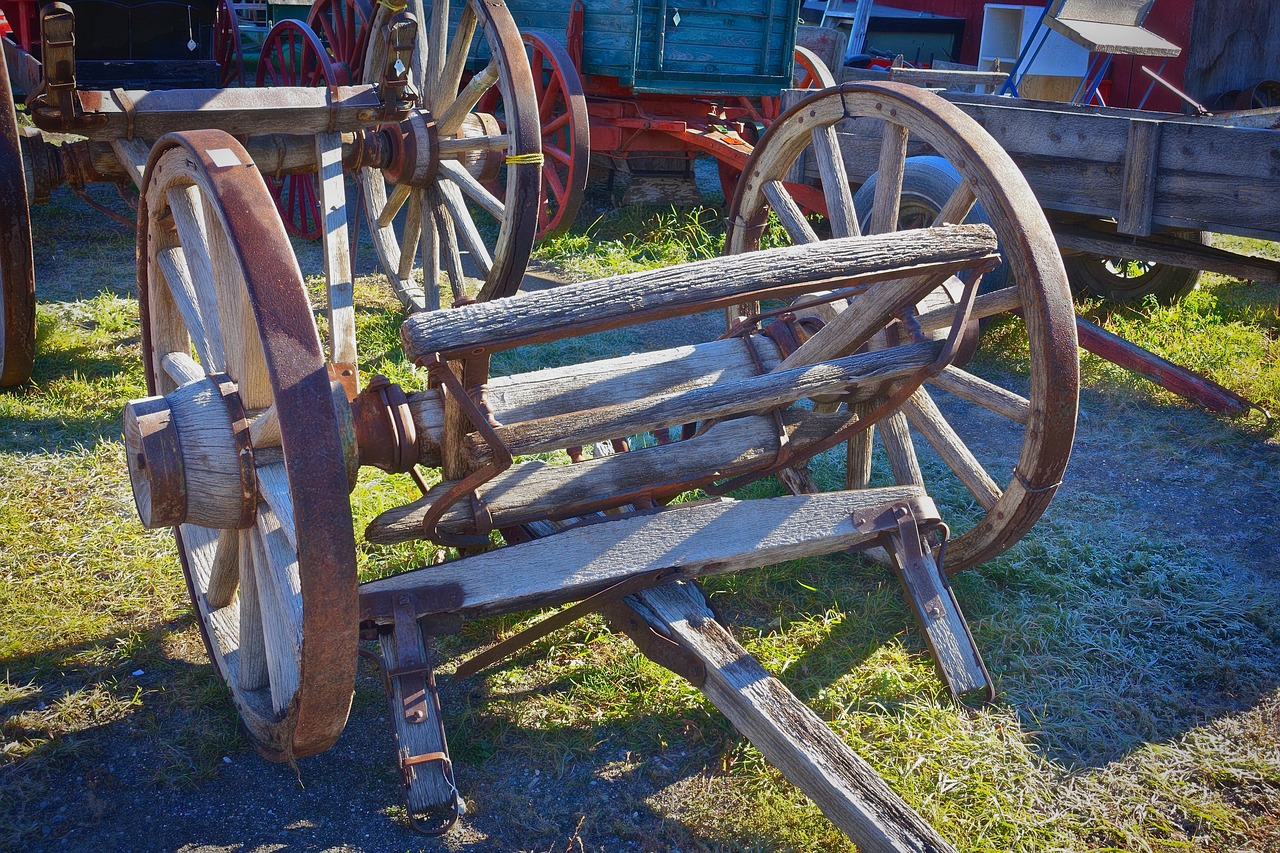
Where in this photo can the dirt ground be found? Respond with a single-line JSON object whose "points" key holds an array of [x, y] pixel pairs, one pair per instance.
{"points": [[1167, 472]]}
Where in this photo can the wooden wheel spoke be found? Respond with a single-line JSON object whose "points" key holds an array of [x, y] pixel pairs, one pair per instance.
{"points": [[465, 225], [896, 438], [399, 196], [889, 172], [553, 127], [792, 217], [958, 205], [275, 570], [246, 364], [224, 574], [452, 116], [448, 238], [991, 304], [835, 183], [199, 288], [412, 233], [986, 394], [473, 189], [264, 429], [456, 58], [925, 416], [461, 146], [182, 368], [251, 673], [430, 259], [273, 485], [203, 328]]}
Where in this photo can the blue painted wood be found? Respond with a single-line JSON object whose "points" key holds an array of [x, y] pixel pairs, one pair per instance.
{"points": [[679, 47]]}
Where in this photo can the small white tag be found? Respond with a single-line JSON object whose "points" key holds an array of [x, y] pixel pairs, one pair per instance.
{"points": [[223, 157], [675, 19], [191, 44]]}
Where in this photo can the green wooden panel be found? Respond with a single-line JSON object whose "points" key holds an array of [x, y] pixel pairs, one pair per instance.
{"points": [[740, 47]]}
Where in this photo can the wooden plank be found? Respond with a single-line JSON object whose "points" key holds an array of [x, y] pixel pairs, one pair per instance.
{"points": [[536, 490], [791, 736], [293, 110], [574, 310], [1140, 168], [337, 251], [698, 539], [750, 394], [1167, 250], [945, 630]]}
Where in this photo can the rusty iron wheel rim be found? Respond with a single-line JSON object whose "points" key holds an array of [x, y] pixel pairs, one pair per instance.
{"points": [[1028, 245], [275, 308], [518, 225], [17, 261]]}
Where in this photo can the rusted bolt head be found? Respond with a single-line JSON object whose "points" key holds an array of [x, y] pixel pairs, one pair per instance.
{"points": [[155, 462]]}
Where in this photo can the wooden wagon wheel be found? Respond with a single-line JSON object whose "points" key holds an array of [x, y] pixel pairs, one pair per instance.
{"points": [[293, 55], [566, 144], [17, 264], [260, 508], [433, 199], [1040, 293], [343, 25], [227, 49]]}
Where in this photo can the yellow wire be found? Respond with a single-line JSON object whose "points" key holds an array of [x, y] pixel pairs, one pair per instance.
{"points": [[394, 7], [518, 159]]}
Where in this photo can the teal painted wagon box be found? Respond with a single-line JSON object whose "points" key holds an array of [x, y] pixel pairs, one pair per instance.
{"points": [[678, 47]]}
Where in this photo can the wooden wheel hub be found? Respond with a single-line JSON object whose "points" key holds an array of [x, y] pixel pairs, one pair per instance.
{"points": [[190, 459], [415, 152]]}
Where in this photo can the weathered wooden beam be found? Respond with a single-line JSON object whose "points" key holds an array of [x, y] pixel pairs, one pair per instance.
{"points": [[294, 110], [574, 310], [1167, 250], [724, 399], [536, 490], [790, 735], [713, 537]]}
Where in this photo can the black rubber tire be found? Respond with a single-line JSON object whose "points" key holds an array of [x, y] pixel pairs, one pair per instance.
{"points": [[927, 183], [1121, 280]]}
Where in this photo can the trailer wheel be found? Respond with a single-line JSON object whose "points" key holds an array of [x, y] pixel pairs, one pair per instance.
{"points": [[1128, 280]]}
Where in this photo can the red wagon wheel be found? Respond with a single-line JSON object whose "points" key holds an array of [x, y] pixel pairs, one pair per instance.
{"points": [[566, 140], [292, 55], [343, 25], [1007, 495], [227, 49], [433, 201], [17, 269], [255, 476]]}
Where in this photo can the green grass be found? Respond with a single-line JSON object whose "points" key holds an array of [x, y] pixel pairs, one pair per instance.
{"points": [[1138, 671]]}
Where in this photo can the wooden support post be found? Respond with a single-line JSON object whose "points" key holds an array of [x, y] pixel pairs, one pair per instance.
{"points": [[1137, 200], [792, 737]]}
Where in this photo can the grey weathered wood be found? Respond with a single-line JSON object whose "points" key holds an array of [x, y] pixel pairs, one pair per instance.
{"points": [[945, 630], [1168, 250], [985, 305], [337, 251], [751, 394], [591, 385], [977, 390], [575, 310], [791, 736], [132, 154], [293, 110], [852, 328], [924, 415], [700, 539], [537, 490], [427, 786], [835, 183], [889, 173], [1140, 165]]}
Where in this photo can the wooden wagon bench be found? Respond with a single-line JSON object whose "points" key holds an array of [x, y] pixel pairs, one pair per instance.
{"points": [[254, 438]]}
